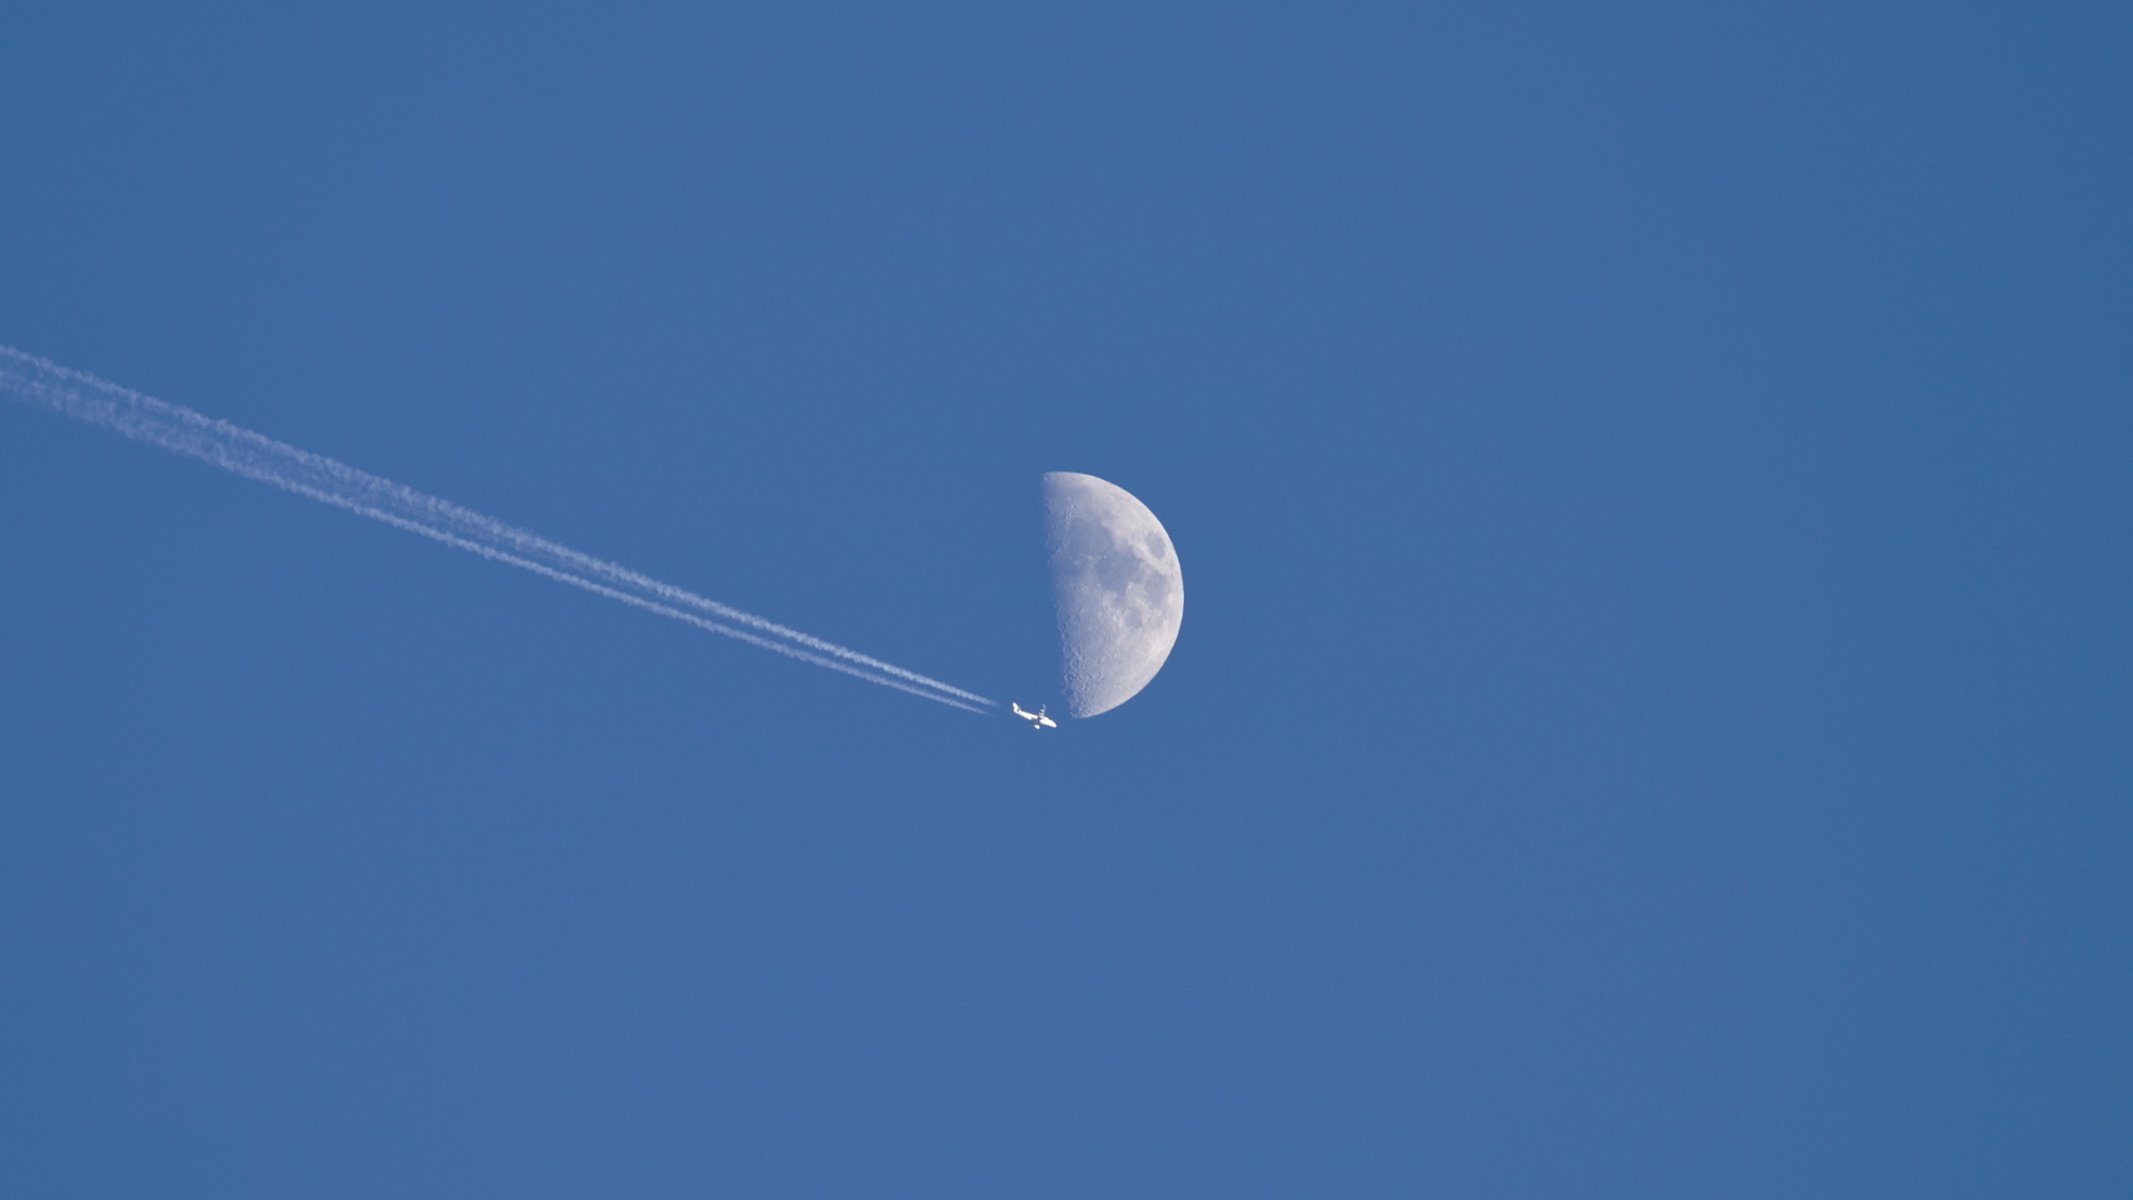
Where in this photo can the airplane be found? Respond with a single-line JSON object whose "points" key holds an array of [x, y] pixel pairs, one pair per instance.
{"points": [[1037, 720]]}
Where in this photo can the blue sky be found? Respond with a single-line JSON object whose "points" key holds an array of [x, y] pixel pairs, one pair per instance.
{"points": [[1651, 716]]}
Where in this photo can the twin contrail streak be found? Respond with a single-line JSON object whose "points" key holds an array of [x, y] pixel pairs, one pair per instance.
{"points": [[180, 430]]}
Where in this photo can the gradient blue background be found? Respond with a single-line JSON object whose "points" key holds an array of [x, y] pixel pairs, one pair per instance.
{"points": [[1652, 716]]}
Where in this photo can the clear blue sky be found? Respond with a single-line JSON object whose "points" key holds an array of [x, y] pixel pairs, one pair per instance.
{"points": [[1652, 715]]}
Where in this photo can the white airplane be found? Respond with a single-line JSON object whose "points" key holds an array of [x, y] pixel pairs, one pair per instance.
{"points": [[1037, 720]]}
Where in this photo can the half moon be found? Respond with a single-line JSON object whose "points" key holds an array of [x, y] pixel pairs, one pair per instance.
{"points": [[1117, 587]]}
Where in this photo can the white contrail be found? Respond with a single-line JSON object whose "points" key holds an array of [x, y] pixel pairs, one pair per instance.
{"points": [[180, 430]]}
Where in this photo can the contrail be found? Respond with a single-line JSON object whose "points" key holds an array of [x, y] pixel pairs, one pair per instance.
{"points": [[180, 430]]}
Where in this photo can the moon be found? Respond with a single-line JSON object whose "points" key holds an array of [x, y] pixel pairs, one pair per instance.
{"points": [[1117, 588]]}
